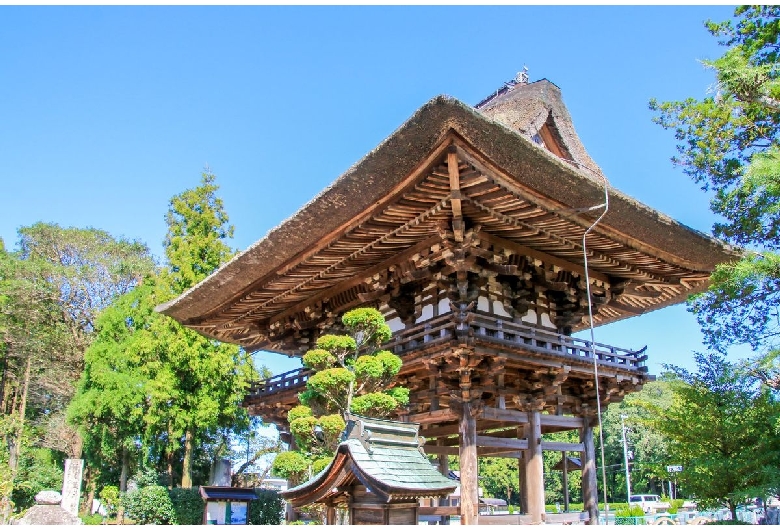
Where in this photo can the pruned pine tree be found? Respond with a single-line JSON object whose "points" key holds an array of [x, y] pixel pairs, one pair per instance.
{"points": [[351, 375]]}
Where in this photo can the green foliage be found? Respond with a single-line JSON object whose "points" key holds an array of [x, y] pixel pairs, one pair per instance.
{"points": [[499, 477], [291, 465], [197, 230], [91, 519], [267, 509], [188, 505], [350, 376], [337, 345], [320, 464], [717, 428], [368, 326], [331, 384], [38, 470], [318, 359], [149, 379], [109, 498], [149, 505], [302, 429], [300, 411], [400, 394], [376, 404], [629, 515], [332, 427], [730, 144]]}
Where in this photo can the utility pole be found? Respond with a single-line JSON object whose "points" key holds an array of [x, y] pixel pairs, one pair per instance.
{"points": [[625, 457]]}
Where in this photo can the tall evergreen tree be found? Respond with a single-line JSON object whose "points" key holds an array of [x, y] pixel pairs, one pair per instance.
{"points": [[718, 427], [151, 380], [729, 142]]}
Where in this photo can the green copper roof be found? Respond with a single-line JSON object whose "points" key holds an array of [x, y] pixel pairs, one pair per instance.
{"points": [[385, 456]]}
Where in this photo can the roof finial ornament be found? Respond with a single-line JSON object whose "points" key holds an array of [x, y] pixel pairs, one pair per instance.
{"points": [[522, 77]]}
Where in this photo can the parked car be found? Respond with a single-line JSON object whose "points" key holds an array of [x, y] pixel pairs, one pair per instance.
{"points": [[649, 503]]}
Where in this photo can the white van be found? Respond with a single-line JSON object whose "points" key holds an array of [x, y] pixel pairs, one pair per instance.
{"points": [[649, 503]]}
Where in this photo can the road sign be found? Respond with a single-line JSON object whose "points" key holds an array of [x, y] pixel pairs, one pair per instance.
{"points": [[673, 469]]}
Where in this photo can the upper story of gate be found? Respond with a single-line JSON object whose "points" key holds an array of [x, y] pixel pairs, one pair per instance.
{"points": [[461, 210]]}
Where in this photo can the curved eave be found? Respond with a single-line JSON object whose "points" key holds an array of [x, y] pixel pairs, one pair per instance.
{"points": [[378, 174], [342, 471]]}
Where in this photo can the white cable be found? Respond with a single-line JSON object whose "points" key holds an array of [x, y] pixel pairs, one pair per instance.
{"points": [[593, 347]]}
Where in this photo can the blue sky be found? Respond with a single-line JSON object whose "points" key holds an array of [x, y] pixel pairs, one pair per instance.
{"points": [[107, 112]]}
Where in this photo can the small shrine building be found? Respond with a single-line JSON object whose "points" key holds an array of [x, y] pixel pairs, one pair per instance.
{"points": [[465, 228]]}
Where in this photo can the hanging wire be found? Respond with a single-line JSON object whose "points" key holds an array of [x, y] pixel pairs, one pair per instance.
{"points": [[605, 205]]}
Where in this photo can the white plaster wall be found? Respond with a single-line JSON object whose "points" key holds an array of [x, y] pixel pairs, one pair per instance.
{"points": [[444, 306], [426, 314], [395, 324], [530, 317], [498, 309], [483, 304]]}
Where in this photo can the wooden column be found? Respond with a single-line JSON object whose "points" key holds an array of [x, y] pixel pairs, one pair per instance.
{"points": [[534, 470], [565, 482], [523, 432], [589, 479], [330, 515], [444, 469], [469, 482]]}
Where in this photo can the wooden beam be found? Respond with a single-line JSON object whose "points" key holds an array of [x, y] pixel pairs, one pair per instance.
{"points": [[513, 416], [562, 446], [509, 443], [457, 212], [546, 258], [438, 510], [347, 284], [481, 451], [552, 420], [436, 416]]}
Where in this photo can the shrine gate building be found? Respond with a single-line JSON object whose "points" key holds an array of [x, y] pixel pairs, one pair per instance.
{"points": [[465, 229]]}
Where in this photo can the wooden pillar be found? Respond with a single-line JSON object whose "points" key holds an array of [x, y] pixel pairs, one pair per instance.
{"points": [[330, 515], [589, 479], [534, 470], [469, 481], [523, 432], [565, 482], [444, 469]]}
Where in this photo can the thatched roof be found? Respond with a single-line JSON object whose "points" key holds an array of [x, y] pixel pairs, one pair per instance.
{"points": [[523, 142]]}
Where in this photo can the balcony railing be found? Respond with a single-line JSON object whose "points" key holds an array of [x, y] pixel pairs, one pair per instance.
{"points": [[482, 327]]}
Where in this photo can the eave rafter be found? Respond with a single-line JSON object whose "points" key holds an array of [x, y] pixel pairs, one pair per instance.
{"points": [[409, 230]]}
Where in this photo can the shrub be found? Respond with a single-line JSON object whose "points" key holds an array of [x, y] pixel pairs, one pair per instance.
{"points": [[629, 515], [301, 411], [109, 498], [187, 505], [318, 359], [290, 465], [91, 519], [149, 505], [267, 509], [375, 405]]}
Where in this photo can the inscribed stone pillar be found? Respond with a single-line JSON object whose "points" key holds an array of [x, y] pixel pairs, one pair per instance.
{"points": [[534, 471], [469, 481], [589, 480], [71, 485]]}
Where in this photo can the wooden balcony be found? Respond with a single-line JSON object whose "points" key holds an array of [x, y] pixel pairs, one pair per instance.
{"points": [[484, 328]]}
